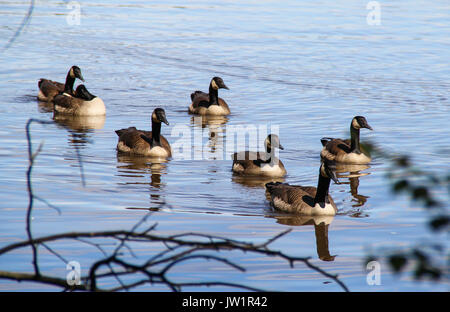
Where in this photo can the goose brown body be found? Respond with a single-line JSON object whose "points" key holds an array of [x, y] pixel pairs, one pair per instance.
{"points": [[81, 104], [48, 89]]}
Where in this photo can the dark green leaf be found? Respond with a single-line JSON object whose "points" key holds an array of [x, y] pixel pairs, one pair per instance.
{"points": [[420, 192], [403, 161], [397, 262], [400, 185], [420, 255], [439, 223]]}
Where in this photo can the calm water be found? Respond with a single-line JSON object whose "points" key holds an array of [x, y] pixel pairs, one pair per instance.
{"points": [[306, 68]]}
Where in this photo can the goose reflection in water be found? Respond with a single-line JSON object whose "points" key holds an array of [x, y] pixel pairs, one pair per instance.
{"points": [[80, 128], [320, 223], [216, 126], [45, 107], [80, 123], [254, 182], [353, 173], [138, 168]]}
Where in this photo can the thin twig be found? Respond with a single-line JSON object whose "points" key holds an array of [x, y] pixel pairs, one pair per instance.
{"points": [[31, 158], [25, 21]]}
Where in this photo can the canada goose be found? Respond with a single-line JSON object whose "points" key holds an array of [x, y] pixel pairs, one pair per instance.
{"points": [[305, 200], [347, 151], [210, 103], [82, 103], [145, 143], [260, 163], [48, 89]]}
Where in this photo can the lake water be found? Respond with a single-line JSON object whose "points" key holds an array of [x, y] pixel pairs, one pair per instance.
{"points": [[305, 68]]}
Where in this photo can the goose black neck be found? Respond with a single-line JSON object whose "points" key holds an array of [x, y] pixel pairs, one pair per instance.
{"points": [[90, 97], [156, 133], [269, 155], [68, 86], [322, 190], [213, 96], [87, 96], [354, 139]]}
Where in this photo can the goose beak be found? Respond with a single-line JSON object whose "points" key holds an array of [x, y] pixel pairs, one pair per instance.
{"points": [[225, 87], [164, 120], [280, 147], [78, 74], [364, 124]]}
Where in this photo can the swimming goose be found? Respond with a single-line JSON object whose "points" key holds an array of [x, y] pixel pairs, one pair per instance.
{"points": [[210, 103], [260, 163], [347, 151], [145, 143], [82, 103], [304, 200], [48, 89]]}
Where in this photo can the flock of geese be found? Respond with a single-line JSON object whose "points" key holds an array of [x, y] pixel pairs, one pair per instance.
{"points": [[302, 200]]}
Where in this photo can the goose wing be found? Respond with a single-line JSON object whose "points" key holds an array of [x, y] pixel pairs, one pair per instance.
{"points": [[332, 147], [50, 88], [199, 98], [243, 161], [64, 103], [131, 137], [290, 194]]}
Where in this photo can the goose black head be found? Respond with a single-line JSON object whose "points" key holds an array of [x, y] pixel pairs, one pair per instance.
{"points": [[82, 93], [159, 115], [273, 141], [217, 83], [327, 172], [359, 122], [75, 72]]}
